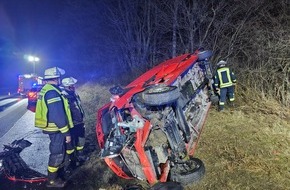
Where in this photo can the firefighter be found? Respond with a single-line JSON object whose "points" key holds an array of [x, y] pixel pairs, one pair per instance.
{"points": [[53, 116], [77, 112], [224, 82]]}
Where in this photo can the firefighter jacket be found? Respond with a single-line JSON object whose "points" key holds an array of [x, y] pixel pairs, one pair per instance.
{"points": [[76, 109], [52, 111], [224, 78]]}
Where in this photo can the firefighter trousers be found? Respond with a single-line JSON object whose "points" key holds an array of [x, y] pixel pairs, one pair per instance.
{"points": [[57, 151], [78, 134], [227, 92]]}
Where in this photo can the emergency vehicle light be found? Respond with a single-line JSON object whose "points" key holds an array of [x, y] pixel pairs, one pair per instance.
{"points": [[27, 76]]}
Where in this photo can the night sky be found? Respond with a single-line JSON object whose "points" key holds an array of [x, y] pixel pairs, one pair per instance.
{"points": [[27, 27]]}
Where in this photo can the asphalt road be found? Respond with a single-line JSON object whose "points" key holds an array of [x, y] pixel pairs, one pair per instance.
{"points": [[16, 122], [11, 110]]}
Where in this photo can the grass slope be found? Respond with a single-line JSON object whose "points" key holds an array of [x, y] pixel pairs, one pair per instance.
{"points": [[246, 147]]}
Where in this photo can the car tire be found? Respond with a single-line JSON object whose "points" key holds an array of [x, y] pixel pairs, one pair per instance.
{"points": [[188, 174], [160, 95], [204, 55]]}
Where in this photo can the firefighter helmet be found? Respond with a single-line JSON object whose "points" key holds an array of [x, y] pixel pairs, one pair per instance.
{"points": [[69, 81], [221, 63], [54, 72]]}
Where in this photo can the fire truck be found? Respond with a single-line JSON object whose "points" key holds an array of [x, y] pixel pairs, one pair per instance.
{"points": [[26, 81]]}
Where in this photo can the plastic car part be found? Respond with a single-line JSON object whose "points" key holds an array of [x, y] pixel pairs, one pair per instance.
{"points": [[114, 144], [13, 166], [203, 55]]}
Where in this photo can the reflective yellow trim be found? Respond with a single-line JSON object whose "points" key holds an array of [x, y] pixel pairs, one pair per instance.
{"points": [[52, 100], [70, 151], [80, 147], [227, 84], [52, 169], [41, 113], [51, 127], [232, 99], [222, 103], [40, 123], [64, 129]]}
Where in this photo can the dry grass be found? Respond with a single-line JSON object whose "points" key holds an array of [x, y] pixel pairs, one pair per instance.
{"points": [[93, 96], [246, 147]]}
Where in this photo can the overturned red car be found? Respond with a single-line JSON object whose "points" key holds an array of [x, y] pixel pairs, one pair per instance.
{"points": [[150, 128]]}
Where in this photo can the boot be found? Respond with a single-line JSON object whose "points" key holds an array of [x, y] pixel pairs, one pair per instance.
{"points": [[81, 157], [220, 108], [68, 166], [53, 181], [67, 162]]}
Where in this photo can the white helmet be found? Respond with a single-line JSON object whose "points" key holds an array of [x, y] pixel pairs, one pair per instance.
{"points": [[69, 81], [222, 62], [54, 72]]}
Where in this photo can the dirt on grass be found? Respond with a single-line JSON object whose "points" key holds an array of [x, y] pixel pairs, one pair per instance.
{"points": [[244, 147]]}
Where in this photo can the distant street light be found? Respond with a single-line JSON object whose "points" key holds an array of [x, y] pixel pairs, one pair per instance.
{"points": [[33, 60]]}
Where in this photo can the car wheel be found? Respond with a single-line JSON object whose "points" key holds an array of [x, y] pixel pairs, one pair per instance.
{"points": [[160, 95], [188, 172], [204, 55]]}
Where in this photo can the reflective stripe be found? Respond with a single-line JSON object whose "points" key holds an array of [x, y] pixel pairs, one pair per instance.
{"points": [[232, 99], [52, 169], [224, 84], [64, 129], [80, 147], [52, 100], [40, 123], [221, 103], [51, 125], [70, 151], [41, 113]]}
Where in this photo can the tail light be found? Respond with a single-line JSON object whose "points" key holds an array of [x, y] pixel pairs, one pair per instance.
{"points": [[32, 94]]}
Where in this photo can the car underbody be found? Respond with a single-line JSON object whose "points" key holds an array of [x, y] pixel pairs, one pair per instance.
{"points": [[151, 128]]}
